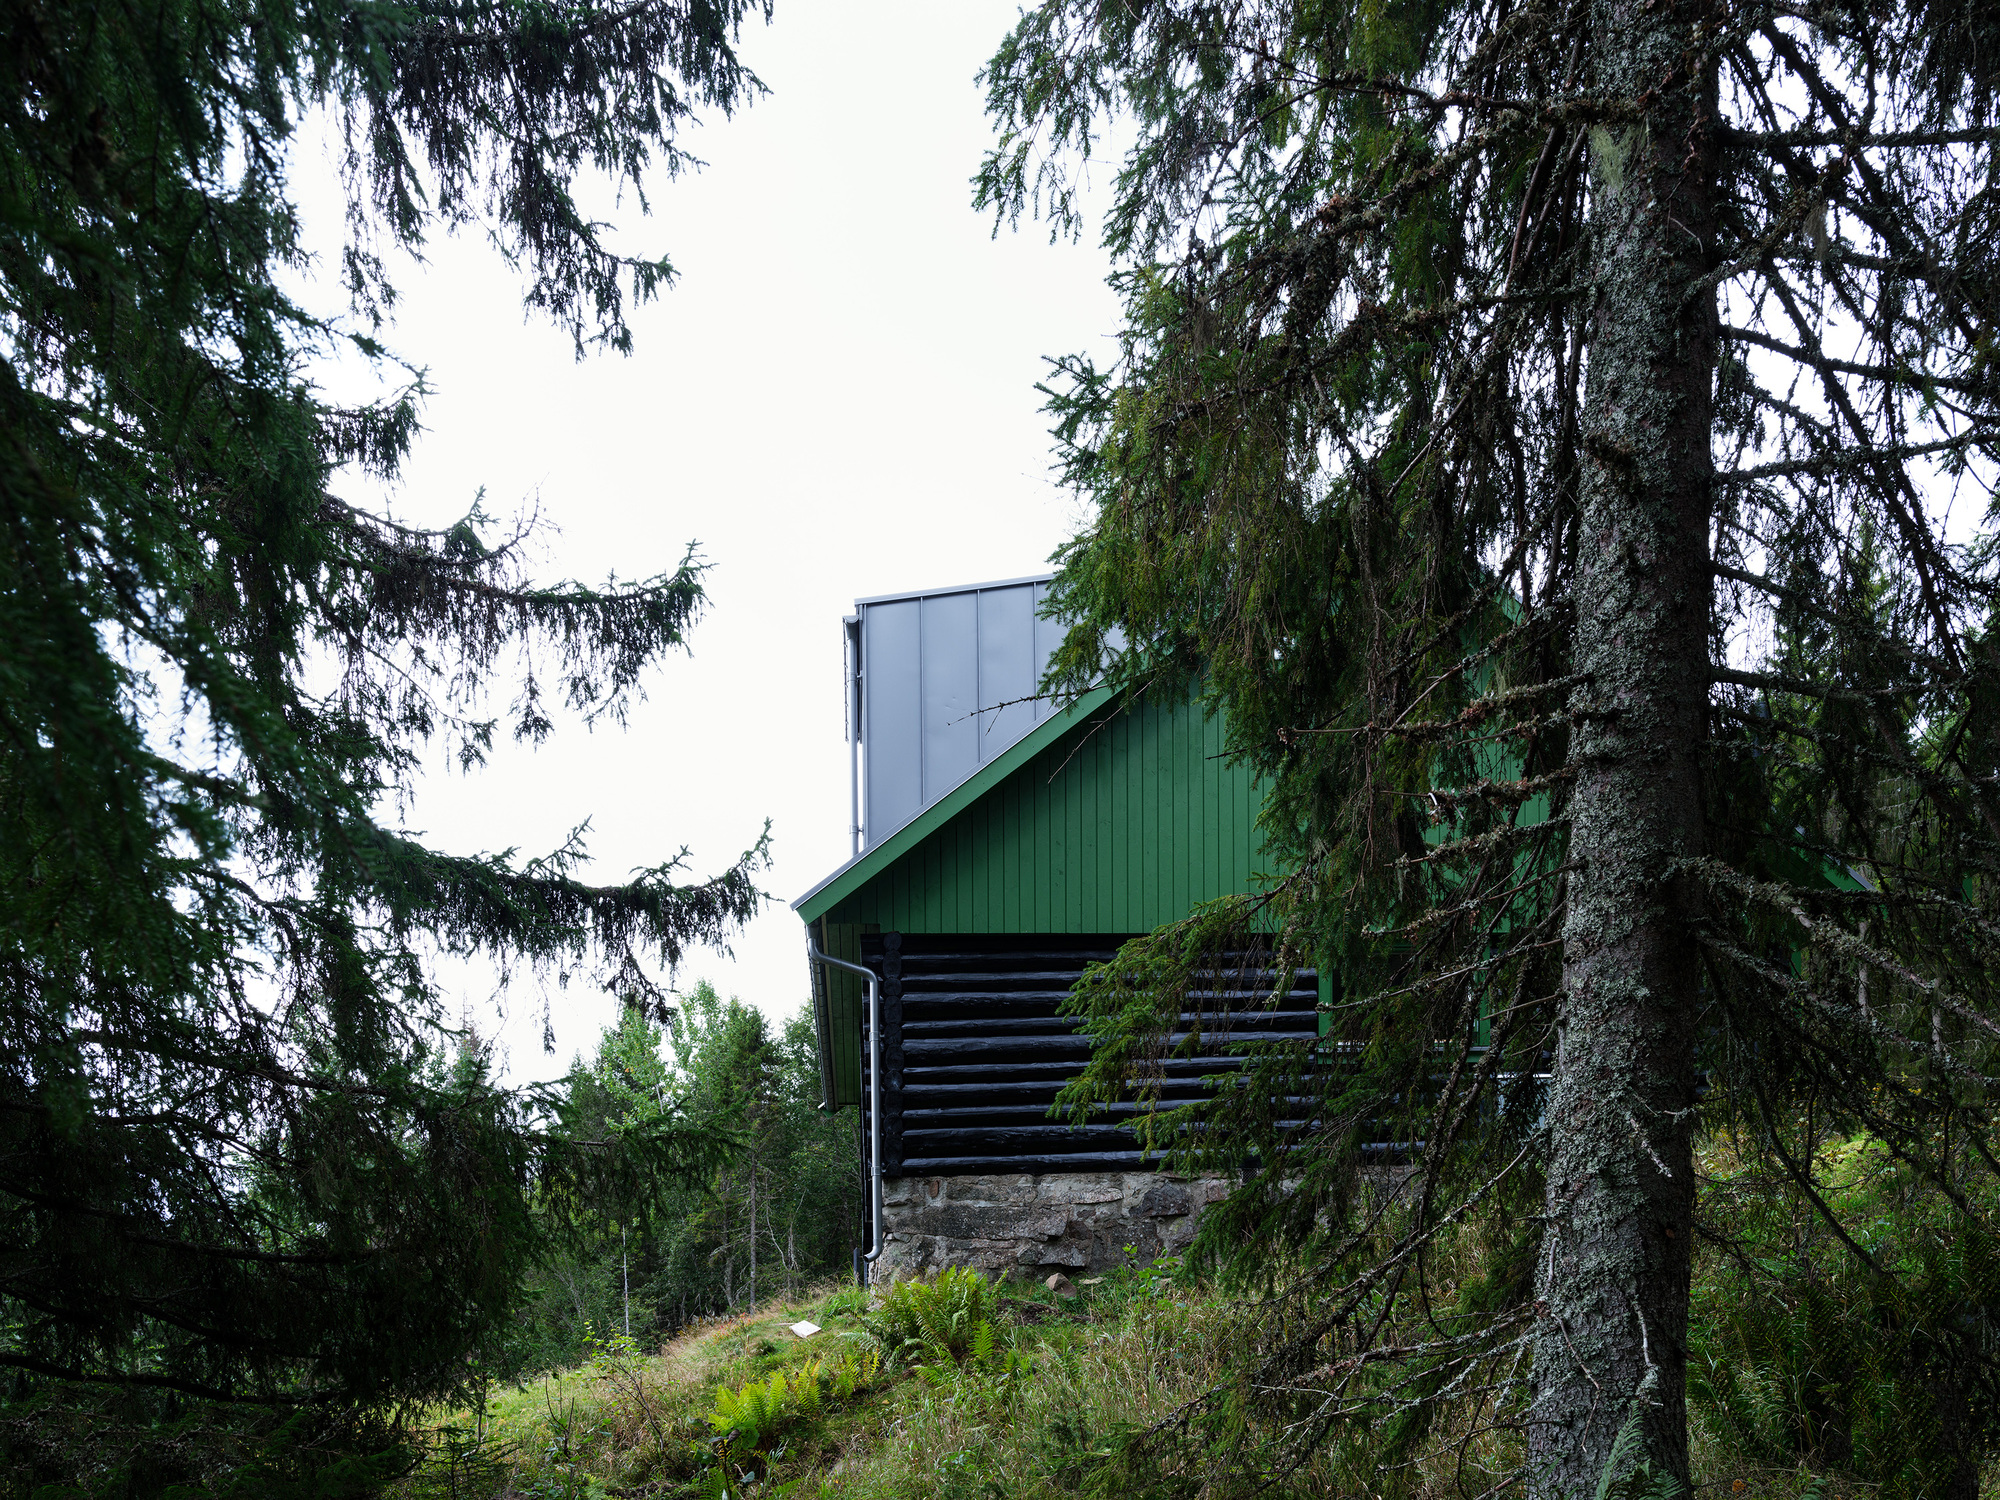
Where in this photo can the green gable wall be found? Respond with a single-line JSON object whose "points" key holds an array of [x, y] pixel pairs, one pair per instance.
{"points": [[1119, 825], [1116, 824]]}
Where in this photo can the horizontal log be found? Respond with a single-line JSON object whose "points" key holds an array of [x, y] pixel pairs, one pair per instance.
{"points": [[1304, 1022], [1049, 1138], [997, 1114], [994, 1116], [1175, 1075], [915, 1049], [1061, 1072], [1001, 1002], [992, 1109], [993, 979], [1031, 1109], [1021, 1095], [1043, 1164], [981, 965], [989, 987], [1056, 1073], [1029, 1164], [968, 1139], [936, 1014]]}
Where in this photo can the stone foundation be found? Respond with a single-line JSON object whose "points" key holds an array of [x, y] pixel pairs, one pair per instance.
{"points": [[1034, 1225]]}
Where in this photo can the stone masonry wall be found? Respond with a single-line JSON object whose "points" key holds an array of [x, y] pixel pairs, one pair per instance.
{"points": [[1034, 1225]]}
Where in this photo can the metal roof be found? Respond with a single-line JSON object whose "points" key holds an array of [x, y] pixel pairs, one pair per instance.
{"points": [[941, 681], [959, 588]]}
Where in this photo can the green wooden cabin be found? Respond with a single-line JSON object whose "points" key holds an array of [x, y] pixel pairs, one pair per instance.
{"points": [[996, 876]]}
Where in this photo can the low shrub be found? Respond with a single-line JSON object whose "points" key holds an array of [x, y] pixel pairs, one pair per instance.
{"points": [[1884, 1370], [939, 1319], [754, 1415], [851, 1302]]}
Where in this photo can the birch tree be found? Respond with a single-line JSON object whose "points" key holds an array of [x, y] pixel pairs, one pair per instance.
{"points": [[1561, 437]]}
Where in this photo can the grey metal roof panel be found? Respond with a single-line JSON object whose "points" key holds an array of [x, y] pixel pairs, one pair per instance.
{"points": [[948, 680], [957, 588]]}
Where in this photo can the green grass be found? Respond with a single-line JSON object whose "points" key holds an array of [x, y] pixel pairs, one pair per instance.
{"points": [[1032, 1411], [1058, 1379]]}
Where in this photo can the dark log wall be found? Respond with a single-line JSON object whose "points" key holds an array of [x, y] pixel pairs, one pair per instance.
{"points": [[974, 1049]]}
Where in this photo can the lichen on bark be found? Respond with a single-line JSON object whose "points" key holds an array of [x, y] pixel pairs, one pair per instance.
{"points": [[1612, 1284]]}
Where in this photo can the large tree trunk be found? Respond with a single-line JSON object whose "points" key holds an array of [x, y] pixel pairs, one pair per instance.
{"points": [[1613, 1283]]}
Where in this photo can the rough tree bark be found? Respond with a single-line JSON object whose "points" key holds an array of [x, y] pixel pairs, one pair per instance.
{"points": [[1613, 1283]]}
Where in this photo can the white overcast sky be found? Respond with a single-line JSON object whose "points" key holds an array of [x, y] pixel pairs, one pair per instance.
{"points": [[836, 400]]}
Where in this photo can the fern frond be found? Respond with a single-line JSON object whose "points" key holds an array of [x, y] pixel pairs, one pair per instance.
{"points": [[982, 1344], [1626, 1475], [806, 1391]]}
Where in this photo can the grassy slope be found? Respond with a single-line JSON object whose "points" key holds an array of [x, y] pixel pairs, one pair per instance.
{"points": [[1128, 1351]]}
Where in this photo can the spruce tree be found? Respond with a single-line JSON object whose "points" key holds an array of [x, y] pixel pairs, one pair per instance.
{"points": [[240, 1156], [1561, 436], [777, 1209]]}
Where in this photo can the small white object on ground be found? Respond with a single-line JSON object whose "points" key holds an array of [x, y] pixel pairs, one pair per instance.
{"points": [[1091, 1281], [805, 1330]]}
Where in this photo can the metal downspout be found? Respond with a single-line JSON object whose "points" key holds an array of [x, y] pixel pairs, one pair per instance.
{"points": [[874, 1252], [854, 797]]}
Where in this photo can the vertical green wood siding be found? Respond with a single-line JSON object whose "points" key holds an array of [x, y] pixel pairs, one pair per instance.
{"points": [[1116, 827]]}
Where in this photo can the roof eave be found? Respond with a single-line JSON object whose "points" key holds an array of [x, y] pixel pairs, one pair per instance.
{"points": [[956, 588]]}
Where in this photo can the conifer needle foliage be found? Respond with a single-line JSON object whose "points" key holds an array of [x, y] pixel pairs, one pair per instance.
{"points": [[237, 1157], [1562, 437]]}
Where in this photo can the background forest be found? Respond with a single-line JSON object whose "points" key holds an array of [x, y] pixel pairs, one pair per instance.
{"points": [[779, 1214]]}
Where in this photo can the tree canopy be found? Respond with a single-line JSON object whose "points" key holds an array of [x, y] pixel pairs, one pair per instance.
{"points": [[1562, 438], [775, 1213], [236, 1143]]}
